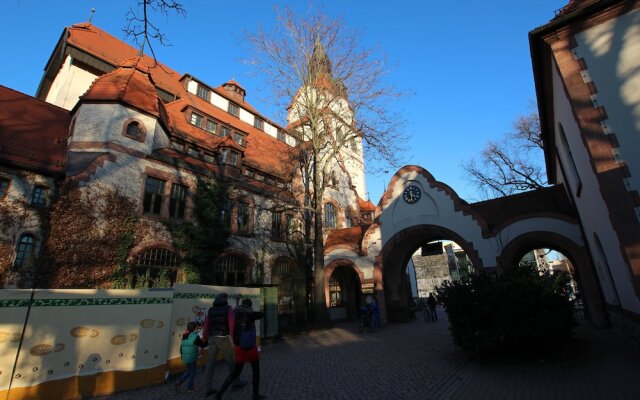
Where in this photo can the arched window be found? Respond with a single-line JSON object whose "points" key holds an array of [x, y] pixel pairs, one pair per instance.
{"points": [[24, 251], [156, 267], [134, 130], [329, 215], [230, 271]]}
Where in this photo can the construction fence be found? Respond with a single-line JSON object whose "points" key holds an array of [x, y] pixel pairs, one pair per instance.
{"points": [[79, 343]]}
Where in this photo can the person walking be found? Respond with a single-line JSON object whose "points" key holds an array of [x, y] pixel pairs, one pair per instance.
{"points": [[244, 339], [189, 349], [217, 326], [431, 303]]}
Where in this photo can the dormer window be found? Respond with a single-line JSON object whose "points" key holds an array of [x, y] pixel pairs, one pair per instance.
{"points": [[233, 158], [196, 119], [193, 152], [258, 123], [229, 157], [203, 92], [177, 146], [233, 109], [211, 126], [238, 138], [134, 130]]}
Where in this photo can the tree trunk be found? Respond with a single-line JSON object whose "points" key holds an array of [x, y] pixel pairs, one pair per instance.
{"points": [[321, 313]]}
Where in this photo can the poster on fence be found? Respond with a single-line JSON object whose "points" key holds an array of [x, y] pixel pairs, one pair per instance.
{"points": [[14, 305], [82, 333], [191, 303]]}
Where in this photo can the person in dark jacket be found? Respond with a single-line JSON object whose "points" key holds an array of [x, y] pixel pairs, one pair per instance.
{"points": [[217, 327], [246, 351], [189, 349]]}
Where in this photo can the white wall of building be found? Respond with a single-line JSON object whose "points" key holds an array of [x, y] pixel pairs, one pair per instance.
{"points": [[615, 279], [610, 51], [70, 83]]}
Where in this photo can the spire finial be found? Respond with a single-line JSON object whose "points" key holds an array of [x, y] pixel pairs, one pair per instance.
{"points": [[91, 13]]}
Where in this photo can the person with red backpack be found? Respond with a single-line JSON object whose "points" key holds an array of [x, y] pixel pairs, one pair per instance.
{"points": [[246, 351]]}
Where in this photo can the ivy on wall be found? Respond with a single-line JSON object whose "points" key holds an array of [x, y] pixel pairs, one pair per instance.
{"points": [[204, 238], [90, 237]]}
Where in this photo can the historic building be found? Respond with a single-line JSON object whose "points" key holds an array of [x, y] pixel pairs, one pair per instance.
{"points": [[120, 121], [106, 118]]}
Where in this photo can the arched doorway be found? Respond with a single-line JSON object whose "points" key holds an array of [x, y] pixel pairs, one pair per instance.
{"points": [[344, 291], [397, 253]]}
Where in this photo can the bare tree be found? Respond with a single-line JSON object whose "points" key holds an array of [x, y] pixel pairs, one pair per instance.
{"points": [[338, 110], [142, 28], [511, 165]]}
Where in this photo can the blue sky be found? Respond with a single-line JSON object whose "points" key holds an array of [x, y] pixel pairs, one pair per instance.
{"points": [[466, 63]]}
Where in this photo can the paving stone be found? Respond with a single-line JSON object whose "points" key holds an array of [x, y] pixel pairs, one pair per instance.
{"points": [[418, 360]]}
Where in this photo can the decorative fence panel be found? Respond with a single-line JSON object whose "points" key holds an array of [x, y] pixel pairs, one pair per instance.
{"points": [[72, 344]]}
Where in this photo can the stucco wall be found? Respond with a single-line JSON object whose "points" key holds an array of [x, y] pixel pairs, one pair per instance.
{"points": [[610, 51], [69, 84], [614, 279]]}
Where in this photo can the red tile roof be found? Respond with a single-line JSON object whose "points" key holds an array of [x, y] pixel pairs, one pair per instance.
{"points": [[102, 45], [573, 5], [128, 85], [366, 205], [348, 236], [262, 151], [33, 133]]}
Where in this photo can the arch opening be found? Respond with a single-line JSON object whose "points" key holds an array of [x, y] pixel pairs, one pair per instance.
{"points": [[417, 260]]}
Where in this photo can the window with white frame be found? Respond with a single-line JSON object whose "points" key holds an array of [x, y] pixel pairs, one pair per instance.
{"points": [[196, 119]]}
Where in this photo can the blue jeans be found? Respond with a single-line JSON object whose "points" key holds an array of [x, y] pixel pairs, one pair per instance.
{"points": [[189, 375]]}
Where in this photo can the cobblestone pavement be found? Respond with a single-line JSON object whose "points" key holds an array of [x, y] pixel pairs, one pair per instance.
{"points": [[417, 360]]}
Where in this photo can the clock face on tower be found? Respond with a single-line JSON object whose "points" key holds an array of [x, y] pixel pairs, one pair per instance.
{"points": [[411, 194]]}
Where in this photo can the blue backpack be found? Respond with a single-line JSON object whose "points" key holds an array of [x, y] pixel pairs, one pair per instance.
{"points": [[246, 333]]}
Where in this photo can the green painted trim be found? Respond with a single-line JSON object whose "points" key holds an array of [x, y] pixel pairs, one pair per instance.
{"points": [[102, 301], [14, 303], [186, 296]]}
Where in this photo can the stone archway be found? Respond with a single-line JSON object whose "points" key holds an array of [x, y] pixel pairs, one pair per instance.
{"points": [[343, 290], [389, 270], [579, 257]]}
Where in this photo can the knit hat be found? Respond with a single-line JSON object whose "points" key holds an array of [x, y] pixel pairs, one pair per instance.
{"points": [[246, 302], [222, 296]]}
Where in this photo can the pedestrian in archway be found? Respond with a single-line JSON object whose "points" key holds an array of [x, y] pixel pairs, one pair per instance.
{"points": [[431, 303]]}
